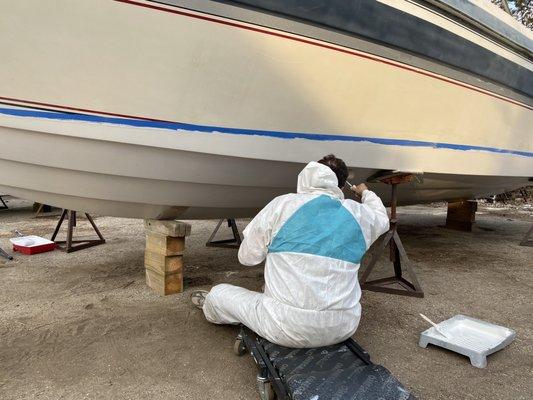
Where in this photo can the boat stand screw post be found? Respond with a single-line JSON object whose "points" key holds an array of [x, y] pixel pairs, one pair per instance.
{"points": [[163, 256], [233, 243], [70, 245], [397, 255]]}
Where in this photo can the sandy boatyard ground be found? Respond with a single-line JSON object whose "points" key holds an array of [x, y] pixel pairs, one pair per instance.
{"points": [[85, 325]]}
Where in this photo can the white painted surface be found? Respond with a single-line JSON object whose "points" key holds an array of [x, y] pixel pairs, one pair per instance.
{"points": [[118, 58]]}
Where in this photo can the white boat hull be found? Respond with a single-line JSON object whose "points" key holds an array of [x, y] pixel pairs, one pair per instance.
{"points": [[123, 110], [88, 171]]}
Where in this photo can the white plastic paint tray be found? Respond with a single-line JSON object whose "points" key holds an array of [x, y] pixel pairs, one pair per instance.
{"points": [[470, 337]]}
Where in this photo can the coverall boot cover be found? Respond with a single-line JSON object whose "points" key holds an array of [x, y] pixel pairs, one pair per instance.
{"points": [[313, 242]]}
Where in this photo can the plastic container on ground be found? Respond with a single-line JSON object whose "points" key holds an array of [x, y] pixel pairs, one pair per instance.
{"points": [[470, 337], [32, 244]]}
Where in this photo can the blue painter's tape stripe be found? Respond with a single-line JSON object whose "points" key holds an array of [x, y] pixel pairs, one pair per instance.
{"points": [[178, 126]]}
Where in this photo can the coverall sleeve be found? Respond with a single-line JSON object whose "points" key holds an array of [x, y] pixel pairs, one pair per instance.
{"points": [[258, 234], [373, 207]]}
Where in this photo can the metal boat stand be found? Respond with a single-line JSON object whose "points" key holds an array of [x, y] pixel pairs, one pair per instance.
{"points": [[397, 254], [41, 209], [71, 245], [232, 243], [528, 239], [3, 206], [5, 255]]}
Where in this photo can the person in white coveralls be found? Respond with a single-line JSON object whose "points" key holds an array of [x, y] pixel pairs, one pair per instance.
{"points": [[313, 242]]}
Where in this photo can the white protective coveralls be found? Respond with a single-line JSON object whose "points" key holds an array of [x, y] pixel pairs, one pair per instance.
{"points": [[313, 242]]}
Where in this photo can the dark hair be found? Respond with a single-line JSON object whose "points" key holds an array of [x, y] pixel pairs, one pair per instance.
{"points": [[338, 166]]}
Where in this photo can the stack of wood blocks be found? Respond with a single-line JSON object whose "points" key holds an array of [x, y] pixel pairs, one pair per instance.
{"points": [[461, 215], [163, 257]]}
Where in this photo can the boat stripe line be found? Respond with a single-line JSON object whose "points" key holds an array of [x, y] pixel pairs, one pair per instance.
{"points": [[352, 52], [76, 109], [178, 126]]}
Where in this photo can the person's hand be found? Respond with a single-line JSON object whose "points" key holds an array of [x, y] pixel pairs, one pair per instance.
{"points": [[359, 189]]}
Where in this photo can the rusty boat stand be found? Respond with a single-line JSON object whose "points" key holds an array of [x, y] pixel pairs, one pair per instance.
{"points": [[70, 245], [396, 284], [233, 243], [5, 255], [3, 205]]}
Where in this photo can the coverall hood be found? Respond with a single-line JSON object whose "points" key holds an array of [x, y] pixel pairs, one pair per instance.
{"points": [[317, 178]]}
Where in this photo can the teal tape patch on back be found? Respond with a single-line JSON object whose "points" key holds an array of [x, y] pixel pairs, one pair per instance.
{"points": [[322, 227]]}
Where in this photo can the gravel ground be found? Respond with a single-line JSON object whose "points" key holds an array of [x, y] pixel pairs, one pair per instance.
{"points": [[85, 326]]}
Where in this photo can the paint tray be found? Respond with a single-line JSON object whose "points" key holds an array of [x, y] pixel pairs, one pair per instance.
{"points": [[32, 244], [470, 337]]}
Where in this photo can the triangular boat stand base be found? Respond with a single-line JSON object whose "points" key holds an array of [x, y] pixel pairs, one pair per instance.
{"points": [[233, 243], [3, 205], [70, 245], [396, 284], [5, 255]]}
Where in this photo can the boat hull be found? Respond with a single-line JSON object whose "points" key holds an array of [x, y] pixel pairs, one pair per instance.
{"points": [[90, 167], [135, 110]]}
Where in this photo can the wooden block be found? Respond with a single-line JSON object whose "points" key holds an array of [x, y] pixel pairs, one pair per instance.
{"points": [[167, 228], [162, 264], [462, 211], [164, 284], [165, 245], [461, 215], [459, 225]]}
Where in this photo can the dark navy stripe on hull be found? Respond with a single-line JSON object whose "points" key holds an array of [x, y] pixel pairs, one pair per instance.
{"points": [[261, 19], [387, 25]]}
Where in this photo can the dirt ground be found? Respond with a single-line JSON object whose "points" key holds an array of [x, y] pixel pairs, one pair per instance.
{"points": [[85, 326]]}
